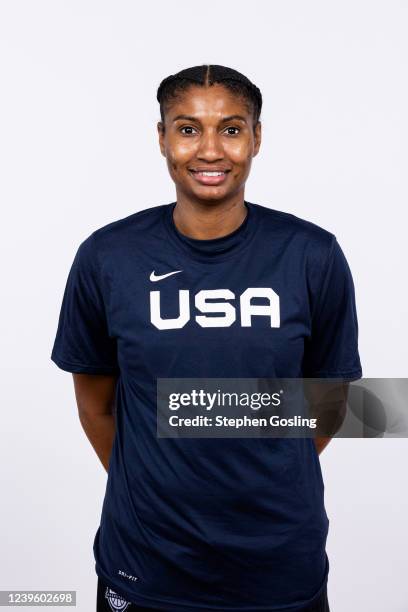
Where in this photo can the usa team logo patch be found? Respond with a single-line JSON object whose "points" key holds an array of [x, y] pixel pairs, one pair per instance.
{"points": [[116, 602]]}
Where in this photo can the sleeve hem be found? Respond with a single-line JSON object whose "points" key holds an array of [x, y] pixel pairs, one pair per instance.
{"points": [[348, 374], [78, 368]]}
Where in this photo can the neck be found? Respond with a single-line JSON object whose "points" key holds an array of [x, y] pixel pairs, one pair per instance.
{"points": [[206, 220]]}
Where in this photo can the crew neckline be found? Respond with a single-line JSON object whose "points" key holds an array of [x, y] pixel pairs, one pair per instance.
{"points": [[213, 249]]}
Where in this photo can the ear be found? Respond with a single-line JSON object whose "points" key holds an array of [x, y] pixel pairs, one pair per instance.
{"points": [[257, 138], [161, 132]]}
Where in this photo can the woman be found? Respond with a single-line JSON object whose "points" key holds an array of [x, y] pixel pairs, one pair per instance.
{"points": [[203, 523]]}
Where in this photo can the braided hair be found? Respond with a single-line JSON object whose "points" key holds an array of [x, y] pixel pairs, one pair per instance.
{"points": [[206, 75]]}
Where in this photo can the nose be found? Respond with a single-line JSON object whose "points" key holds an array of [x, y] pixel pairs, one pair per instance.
{"points": [[210, 148]]}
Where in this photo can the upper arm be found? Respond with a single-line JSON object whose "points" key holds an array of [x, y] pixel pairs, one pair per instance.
{"points": [[84, 342], [331, 351], [95, 393]]}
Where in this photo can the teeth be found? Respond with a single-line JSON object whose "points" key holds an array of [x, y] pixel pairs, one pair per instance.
{"points": [[211, 173]]}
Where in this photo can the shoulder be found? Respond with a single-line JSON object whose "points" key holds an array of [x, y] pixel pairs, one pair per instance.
{"points": [[301, 235], [139, 222], [306, 242], [124, 231], [308, 248]]}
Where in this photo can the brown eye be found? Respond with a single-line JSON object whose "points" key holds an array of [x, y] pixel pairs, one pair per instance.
{"points": [[186, 127], [233, 128]]}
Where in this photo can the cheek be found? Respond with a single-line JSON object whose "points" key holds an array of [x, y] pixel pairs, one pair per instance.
{"points": [[239, 152], [178, 154], [172, 162]]}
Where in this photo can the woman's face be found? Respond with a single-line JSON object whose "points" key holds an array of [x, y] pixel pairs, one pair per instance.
{"points": [[208, 129]]}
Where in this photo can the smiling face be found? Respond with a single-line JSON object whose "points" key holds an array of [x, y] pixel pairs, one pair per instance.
{"points": [[209, 130]]}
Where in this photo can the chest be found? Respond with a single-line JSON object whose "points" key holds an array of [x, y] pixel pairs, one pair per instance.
{"points": [[240, 319]]}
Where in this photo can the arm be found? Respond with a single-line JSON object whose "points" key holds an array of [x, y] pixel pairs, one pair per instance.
{"points": [[95, 397], [321, 443], [328, 404]]}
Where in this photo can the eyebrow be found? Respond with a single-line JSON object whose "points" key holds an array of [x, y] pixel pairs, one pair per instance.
{"points": [[223, 120]]}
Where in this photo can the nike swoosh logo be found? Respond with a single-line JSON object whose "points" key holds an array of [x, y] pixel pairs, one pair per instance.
{"points": [[154, 277]]}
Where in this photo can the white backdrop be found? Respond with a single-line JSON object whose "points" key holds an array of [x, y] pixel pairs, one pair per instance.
{"points": [[78, 149]]}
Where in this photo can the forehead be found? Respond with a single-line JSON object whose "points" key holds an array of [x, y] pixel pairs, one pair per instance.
{"points": [[211, 102]]}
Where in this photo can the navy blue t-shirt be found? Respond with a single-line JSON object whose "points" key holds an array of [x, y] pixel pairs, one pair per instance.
{"points": [[194, 524]]}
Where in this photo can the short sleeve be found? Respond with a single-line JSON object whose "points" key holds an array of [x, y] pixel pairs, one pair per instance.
{"points": [[83, 343], [331, 350]]}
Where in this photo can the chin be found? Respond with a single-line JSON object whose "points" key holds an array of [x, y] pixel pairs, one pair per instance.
{"points": [[210, 193]]}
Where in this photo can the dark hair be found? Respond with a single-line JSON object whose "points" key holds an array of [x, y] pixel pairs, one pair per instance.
{"points": [[206, 75]]}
